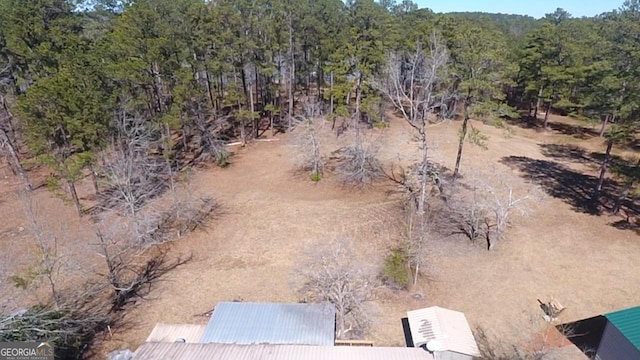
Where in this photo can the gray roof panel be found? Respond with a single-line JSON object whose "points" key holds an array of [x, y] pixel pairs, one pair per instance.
{"points": [[271, 323]]}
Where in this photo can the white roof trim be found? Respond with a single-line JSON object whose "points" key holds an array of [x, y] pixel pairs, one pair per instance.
{"points": [[448, 327]]}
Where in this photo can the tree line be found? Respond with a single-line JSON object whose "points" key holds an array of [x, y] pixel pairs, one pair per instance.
{"points": [[198, 73], [129, 93]]}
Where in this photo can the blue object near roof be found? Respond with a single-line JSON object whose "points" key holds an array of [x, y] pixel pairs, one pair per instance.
{"points": [[271, 323], [628, 322]]}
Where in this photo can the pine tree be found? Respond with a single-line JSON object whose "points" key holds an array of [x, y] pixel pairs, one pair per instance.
{"points": [[480, 71]]}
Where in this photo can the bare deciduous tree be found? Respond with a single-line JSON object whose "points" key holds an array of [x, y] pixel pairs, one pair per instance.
{"points": [[49, 260], [490, 202], [70, 326], [135, 174], [415, 86], [468, 211], [131, 269], [534, 340], [332, 273], [420, 223], [419, 231], [187, 212], [73, 316], [358, 164], [307, 155], [504, 200], [212, 146], [131, 173], [312, 108]]}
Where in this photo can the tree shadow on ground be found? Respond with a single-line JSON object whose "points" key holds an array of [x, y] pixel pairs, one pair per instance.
{"points": [[572, 187], [577, 154], [576, 131], [593, 160], [525, 122], [627, 224], [568, 153], [633, 145]]}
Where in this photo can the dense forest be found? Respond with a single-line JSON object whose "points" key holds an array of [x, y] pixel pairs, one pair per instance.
{"points": [[122, 91], [201, 73]]}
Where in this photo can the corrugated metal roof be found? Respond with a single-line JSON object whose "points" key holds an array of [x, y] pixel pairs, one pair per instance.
{"points": [[171, 332], [628, 322], [178, 351], [271, 323], [450, 328]]}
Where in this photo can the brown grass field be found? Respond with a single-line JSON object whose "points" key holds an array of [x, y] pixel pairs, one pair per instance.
{"points": [[270, 216]]}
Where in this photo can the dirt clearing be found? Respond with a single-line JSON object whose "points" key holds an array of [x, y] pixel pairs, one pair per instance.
{"points": [[270, 216]]}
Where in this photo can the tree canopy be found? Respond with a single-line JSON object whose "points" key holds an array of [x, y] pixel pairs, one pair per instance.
{"points": [[200, 72]]}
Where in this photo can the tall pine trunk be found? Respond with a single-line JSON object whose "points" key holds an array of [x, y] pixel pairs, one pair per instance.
{"points": [[273, 132], [463, 135], [71, 187], [319, 82], [308, 75], [243, 135], [603, 171], [256, 120], [603, 128], [221, 86], [258, 95], [546, 117], [627, 189], [94, 178], [539, 102], [16, 164], [292, 72], [209, 88], [157, 86], [333, 123], [279, 100], [244, 81], [357, 115]]}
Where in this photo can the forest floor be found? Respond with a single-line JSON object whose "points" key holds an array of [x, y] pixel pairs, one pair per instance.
{"points": [[270, 217]]}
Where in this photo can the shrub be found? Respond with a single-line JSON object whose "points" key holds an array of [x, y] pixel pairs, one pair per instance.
{"points": [[315, 177], [394, 273], [223, 160]]}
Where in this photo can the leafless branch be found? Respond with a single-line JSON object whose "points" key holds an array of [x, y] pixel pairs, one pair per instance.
{"points": [[415, 86], [132, 173], [131, 270], [312, 108], [332, 274], [213, 147], [358, 164], [469, 213], [505, 199], [420, 230], [308, 155], [49, 261], [488, 203], [414, 81], [535, 340]]}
